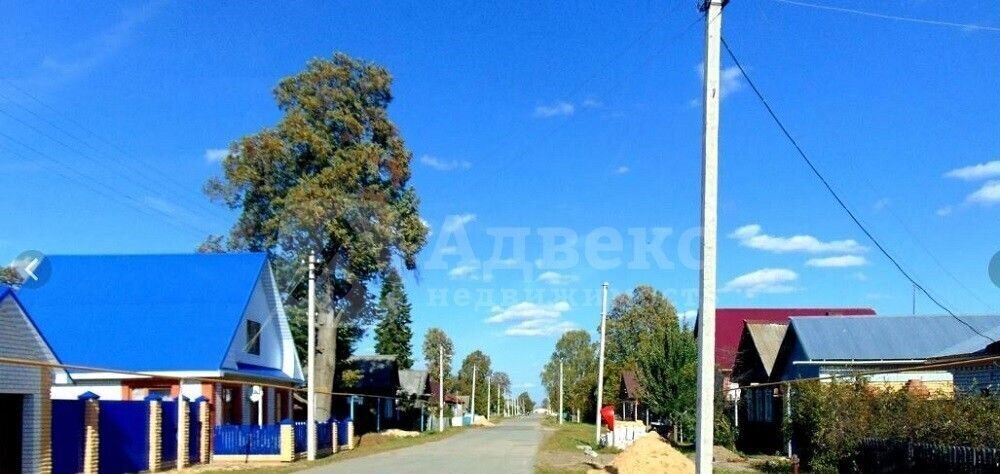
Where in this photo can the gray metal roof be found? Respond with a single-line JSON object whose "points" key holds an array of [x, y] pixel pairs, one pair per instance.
{"points": [[413, 382], [767, 339], [887, 337]]}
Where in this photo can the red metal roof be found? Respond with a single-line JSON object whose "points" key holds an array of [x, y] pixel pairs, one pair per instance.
{"points": [[729, 325]]}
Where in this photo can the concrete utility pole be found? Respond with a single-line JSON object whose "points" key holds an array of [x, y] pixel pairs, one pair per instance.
{"points": [[709, 223], [311, 357], [489, 385], [440, 387], [472, 409], [560, 391], [600, 366]]}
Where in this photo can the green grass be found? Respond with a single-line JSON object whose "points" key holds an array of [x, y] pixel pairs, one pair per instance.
{"points": [[367, 447]]}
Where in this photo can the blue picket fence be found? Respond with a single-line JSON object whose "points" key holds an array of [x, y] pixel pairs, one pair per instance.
{"points": [[124, 443], [68, 436], [194, 434], [324, 434], [300, 436], [247, 439], [342, 432], [168, 431]]}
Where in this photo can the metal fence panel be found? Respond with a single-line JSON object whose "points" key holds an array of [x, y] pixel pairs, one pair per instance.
{"points": [[68, 436], [168, 431], [247, 439], [882, 456], [194, 434], [124, 436]]}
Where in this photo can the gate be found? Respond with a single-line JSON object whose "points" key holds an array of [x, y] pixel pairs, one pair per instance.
{"points": [[168, 431], [124, 436], [194, 434], [68, 432]]}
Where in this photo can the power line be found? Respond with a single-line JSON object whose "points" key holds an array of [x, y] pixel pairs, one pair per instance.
{"points": [[156, 178], [837, 197], [964, 26]]}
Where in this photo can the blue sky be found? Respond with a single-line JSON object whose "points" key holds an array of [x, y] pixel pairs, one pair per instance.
{"points": [[524, 118]]}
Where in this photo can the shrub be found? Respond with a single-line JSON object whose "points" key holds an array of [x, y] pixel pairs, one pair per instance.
{"points": [[829, 421]]}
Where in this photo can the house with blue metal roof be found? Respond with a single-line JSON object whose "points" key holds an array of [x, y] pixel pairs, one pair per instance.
{"points": [[163, 324], [838, 346], [25, 424]]}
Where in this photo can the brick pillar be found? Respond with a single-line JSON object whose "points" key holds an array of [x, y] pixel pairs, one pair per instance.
{"points": [[183, 432], [155, 443], [350, 434], [205, 442], [45, 424], [91, 436], [287, 441]]}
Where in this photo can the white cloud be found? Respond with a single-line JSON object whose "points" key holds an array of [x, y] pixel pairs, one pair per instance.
{"points": [[592, 103], [765, 280], [881, 204], [556, 278], [944, 211], [457, 221], [622, 170], [527, 311], [730, 82], [556, 109], [464, 271], [987, 195], [539, 327], [444, 165], [840, 261], [860, 276], [751, 236], [216, 155], [979, 171], [688, 318], [427, 225]]}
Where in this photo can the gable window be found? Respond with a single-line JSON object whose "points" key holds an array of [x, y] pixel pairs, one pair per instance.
{"points": [[253, 337]]}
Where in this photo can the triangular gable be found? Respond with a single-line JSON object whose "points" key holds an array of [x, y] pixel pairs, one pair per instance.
{"points": [[31, 343]]}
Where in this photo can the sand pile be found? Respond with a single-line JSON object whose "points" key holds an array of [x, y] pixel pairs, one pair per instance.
{"points": [[652, 454], [400, 433], [480, 421]]}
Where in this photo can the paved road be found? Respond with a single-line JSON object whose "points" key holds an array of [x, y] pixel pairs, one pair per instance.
{"points": [[507, 448]]}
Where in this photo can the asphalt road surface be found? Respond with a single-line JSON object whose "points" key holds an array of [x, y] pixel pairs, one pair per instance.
{"points": [[506, 448]]}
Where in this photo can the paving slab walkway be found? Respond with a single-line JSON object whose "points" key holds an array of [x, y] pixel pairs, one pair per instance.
{"points": [[509, 447]]}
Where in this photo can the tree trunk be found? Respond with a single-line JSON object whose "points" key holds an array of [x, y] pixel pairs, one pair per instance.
{"points": [[326, 355]]}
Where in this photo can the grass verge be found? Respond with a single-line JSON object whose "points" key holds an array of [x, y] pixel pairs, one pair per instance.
{"points": [[367, 445]]}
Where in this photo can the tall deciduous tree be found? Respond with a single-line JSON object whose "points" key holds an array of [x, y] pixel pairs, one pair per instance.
{"points": [[668, 371], [525, 401], [393, 334], [434, 339], [579, 356], [332, 177], [632, 320], [481, 362]]}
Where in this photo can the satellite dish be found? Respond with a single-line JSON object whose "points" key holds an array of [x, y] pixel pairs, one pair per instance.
{"points": [[256, 393]]}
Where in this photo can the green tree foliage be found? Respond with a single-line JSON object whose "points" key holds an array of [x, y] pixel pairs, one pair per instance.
{"points": [[435, 338], [632, 320], [483, 370], [501, 386], [331, 176], [9, 276], [213, 244], [525, 401], [829, 420], [579, 356], [668, 370], [393, 334]]}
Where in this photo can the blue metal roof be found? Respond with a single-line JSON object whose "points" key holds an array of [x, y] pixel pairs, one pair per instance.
{"points": [[886, 337], [144, 312], [972, 344]]}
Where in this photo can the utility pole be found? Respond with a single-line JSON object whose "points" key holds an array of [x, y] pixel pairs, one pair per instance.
{"points": [[311, 357], [600, 366], [560, 391], [489, 385], [472, 408], [440, 388], [709, 223]]}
